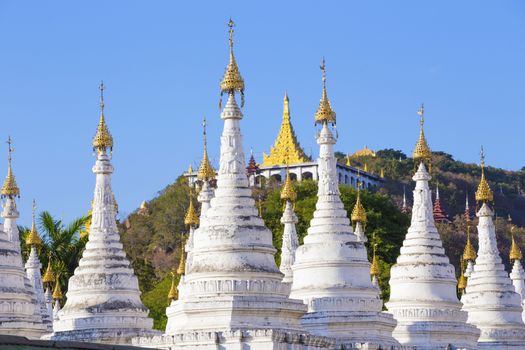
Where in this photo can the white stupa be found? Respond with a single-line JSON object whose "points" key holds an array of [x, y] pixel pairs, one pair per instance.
{"points": [[423, 295], [517, 274], [290, 242], [103, 298], [33, 268], [331, 269], [232, 296], [490, 299], [19, 311]]}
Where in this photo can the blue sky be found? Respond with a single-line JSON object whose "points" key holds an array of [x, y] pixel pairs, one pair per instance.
{"points": [[162, 62]]}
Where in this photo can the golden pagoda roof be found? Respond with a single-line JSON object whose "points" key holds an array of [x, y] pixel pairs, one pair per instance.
{"points": [[375, 269], [191, 218], [288, 192], [206, 171], [232, 80], [173, 293], [10, 188], [358, 213], [462, 280], [57, 292], [364, 152], [286, 149], [469, 253], [182, 262], [515, 251], [102, 139], [33, 239], [49, 276], [483, 193], [422, 152], [324, 112]]}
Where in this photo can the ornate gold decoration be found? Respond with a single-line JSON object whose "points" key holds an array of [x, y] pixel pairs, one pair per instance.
{"points": [[515, 251], [422, 152], [288, 192], [462, 280], [173, 293], [49, 276], [206, 171], [232, 80], [182, 262], [483, 193], [365, 152], [358, 213], [57, 292], [286, 149], [469, 253], [324, 113], [10, 188], [33, 239], [103, 139], [375, 269], [191, 218]]}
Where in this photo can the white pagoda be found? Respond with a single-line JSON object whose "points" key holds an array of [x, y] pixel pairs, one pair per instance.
{"points": [[423, 295], [103, 298]]}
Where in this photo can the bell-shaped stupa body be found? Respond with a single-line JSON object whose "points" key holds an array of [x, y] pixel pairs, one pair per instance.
{"points": [[331, 269], [490, 299], [423, 295], [103, 297]]}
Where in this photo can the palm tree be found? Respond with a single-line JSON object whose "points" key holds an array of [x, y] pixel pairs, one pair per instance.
{"points": [[63, 243]]}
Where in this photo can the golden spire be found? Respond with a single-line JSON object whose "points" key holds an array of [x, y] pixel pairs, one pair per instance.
{"points": [[375, 270], [324, 113], [49, 276], [232, 80], [469, 253], [191, 218], [347, 160], [286, 148], [515, 251], [365, 168], [103, 139], [57, 292], [173, 294], [182, 262], [206, 171], [422, 152], [10, 188], [382, 173], [190, 169], [33, 239], [462, 280], [288, 192], [483, 193], [358, 213]]}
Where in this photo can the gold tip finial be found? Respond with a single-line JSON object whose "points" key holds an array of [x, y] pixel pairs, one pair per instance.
{"points": [[483, 193], [515, 251], [469, 253], [206, 171], [422, 152], [324, 113], [49, 276], [102, 141], [10, 188], [33, 239], [288, 192], [232, 80], [191, 218], [462, 280], [173, 294], [182, 262], [359, 212], [375, 269], [57, 292]]}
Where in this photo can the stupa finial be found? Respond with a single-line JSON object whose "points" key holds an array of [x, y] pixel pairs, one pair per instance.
{"points": [[324, 113], [422, 152], [103, 139], [515, 251], [191, 218], [206, 171], [483, 193], [469, 253], [375, 269], [57, 291], [10, 188], [232, 80], [359, 212], [33, 239], [172, 295]]}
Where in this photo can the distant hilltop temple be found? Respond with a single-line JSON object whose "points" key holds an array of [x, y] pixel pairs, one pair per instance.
{"points": [[287, 155]]}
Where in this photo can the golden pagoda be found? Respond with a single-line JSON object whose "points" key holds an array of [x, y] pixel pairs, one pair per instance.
{"points": [[49, 276], [173, 293], [324, 113], [206, 171], [286, 149], [483, 193], [469, 253], [365, 152], [191, 218], [288, 192], [102, 139], [10, 188], [232, 80], [515, 251], [422, 152], [375, 270], [348, 160], [358, 213], [57, 292], [33, 239]]}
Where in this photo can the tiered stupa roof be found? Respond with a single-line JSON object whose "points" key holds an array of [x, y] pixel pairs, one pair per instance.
{"points": [[490, 298], [286, 149], [331, 270], [103, 298], [423, 295]]}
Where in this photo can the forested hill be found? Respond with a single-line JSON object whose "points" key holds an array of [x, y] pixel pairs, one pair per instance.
{"points": [[152, 236]]}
